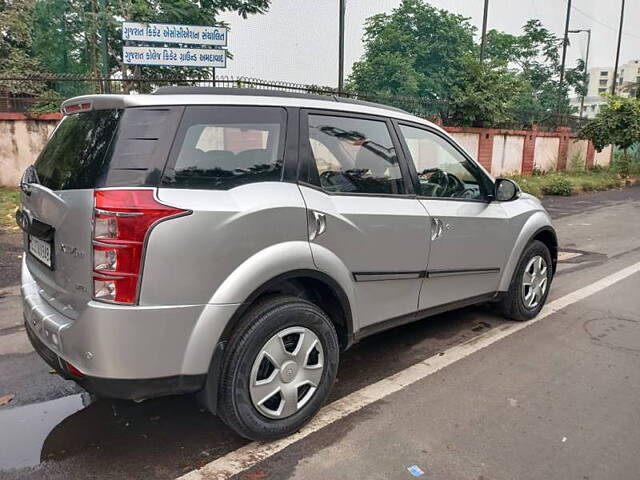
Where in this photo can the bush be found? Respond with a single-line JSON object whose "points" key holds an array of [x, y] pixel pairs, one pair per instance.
{"points": [[557, 185], [594, 181], [48, 102], [626, 163], [530, 185]]}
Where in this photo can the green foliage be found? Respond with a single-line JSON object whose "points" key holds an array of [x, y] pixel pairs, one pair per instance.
{"points": [[558, 185], [599, 180], [617, 123], [535, 56], [484, 94], [626, 163], [15, 46], [416, 50], [578, 78], [49, 101], [9, 199], [40, 37], [190, 12], [419, 50], [576, 162], [530, 185]]}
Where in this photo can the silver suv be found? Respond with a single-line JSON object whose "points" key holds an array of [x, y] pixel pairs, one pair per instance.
{"points": [[233, 242]]}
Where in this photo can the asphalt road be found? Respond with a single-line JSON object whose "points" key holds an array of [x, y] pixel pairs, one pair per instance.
{"points": [[559, 399]]}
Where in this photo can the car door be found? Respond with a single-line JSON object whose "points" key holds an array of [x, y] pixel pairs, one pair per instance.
{"points": [[470, 238], [364, 219]]}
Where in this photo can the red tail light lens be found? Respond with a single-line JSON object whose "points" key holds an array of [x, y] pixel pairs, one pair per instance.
{"points": [[73, 370], [122, 221]]}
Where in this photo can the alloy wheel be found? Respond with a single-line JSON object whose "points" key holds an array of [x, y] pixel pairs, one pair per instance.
{"points": [[534, 282]]}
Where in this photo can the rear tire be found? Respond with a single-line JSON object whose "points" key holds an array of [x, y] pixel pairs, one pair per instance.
{"points": [[530, 283], [284, 345]]}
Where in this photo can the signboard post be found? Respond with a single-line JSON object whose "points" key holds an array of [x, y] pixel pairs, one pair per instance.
{"points": [[190, 53]]}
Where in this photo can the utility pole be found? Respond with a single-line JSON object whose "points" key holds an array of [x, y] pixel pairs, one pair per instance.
{"points": [[341, 47], [483, 40], [615, 69], [586, 64], [565, 42], [103, 46]]}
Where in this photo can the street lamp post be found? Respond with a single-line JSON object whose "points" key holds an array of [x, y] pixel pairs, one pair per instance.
{"points": [[565, 41], [341, 46], [103, 46], [586, 62], [615, 69], [483, 40]]}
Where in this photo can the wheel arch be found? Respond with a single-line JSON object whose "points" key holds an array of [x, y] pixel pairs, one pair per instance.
{"points": [[547, 235], [312, 285], [537, 227]]}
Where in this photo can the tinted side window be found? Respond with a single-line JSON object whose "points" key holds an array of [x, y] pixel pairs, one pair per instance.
{"points": [[354, 155], [220, 148], [442, 170], [77, 154]]}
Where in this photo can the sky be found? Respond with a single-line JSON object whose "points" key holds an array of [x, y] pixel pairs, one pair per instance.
{"points": [[297, 40]]}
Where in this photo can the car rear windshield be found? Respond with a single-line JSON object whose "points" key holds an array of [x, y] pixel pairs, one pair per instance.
{"points": [[77, 153]]}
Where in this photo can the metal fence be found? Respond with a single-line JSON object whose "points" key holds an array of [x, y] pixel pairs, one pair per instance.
{"points": [[40, 94]]}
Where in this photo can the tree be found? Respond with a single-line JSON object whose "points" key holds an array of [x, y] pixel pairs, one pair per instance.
{"points": [[15, 47], [535, 56], [189, 12], [617, 123], [415, 50], [419, 50], [484, 94], [63, 36]]}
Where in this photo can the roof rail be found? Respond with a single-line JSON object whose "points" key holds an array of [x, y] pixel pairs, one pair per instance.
{"points": [[177, 90]]}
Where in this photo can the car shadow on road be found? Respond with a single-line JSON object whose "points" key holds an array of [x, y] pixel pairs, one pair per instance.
{"points": [[169, 436]]}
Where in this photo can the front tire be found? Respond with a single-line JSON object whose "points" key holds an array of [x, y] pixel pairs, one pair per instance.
{"points": [[280, 366], [530, 284]]}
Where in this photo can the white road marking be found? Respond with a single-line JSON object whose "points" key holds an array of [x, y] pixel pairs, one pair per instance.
{"points": [[246, 457]]}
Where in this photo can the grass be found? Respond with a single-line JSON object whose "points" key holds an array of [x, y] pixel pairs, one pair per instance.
{"points": [[569, 183], [9, 199]]}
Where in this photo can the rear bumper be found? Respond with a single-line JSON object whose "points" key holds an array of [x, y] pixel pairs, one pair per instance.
{"points": [[126, 389], [125, 351]]}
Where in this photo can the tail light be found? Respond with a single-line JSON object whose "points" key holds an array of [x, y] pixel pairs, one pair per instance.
{"points": [[73, 370], [122, 222]]}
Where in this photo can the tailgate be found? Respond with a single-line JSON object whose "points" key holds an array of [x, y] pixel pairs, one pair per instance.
{"points": [[62, 221], [56, 210]]}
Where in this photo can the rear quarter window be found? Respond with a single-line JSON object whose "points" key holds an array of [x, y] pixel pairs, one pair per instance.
{"points": [[219, 148]]}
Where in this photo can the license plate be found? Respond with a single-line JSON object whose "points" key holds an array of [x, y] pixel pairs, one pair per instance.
{"points": [[41, 250]]}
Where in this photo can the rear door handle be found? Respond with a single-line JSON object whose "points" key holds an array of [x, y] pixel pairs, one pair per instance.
{"points": [[436, 228], [317, 224]]}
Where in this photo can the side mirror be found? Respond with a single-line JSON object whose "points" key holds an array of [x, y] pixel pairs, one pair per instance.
{"points": [[506, 190]]}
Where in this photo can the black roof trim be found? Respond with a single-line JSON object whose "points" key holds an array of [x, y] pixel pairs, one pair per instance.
{"points": [[176, 90]]}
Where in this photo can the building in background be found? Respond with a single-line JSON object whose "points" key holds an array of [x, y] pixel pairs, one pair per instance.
{"points": [[601, 80]]}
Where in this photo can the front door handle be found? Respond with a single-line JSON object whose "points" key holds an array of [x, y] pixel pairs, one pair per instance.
{"points": [[317, 223]]}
